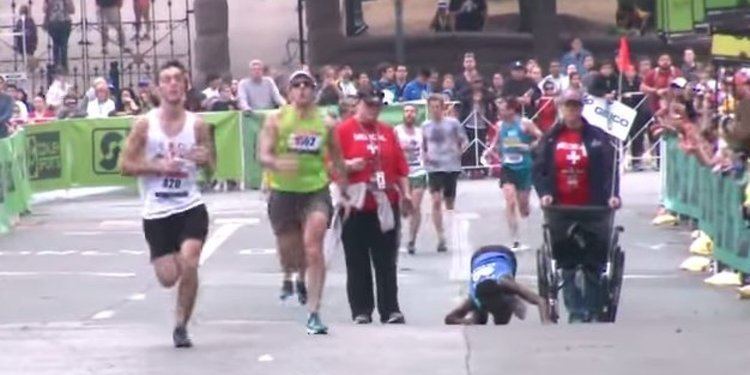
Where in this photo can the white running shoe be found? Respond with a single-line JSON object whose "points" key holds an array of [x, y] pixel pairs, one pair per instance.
{"points": [[519, 247]]}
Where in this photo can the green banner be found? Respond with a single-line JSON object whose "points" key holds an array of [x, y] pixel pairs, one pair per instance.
{"points": [[85, 153], [713, 200], [15, 192]]}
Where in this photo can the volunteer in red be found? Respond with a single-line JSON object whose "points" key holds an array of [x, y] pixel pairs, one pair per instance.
{"points": [[575, 166], [656, 85], [377, 170]]}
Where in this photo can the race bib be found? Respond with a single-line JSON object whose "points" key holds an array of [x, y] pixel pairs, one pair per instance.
{"points": [[483, 272], [305, 143], [512, 158]]}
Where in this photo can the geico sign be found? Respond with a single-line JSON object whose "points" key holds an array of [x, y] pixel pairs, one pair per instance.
{"points": [[611, 117]]}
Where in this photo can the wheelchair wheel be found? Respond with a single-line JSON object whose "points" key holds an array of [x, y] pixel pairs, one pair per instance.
{"points": [[547, 282], [612, 286]]}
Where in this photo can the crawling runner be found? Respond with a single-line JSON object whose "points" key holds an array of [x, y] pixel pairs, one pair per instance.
{"points": [[493, 290]]}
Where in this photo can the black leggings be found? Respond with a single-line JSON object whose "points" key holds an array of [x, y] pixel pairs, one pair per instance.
{"points": [[367, 247]]}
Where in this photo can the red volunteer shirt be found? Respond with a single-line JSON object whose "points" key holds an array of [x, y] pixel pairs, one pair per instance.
{"points": [[380, 147], [547, 114], [659, 79], [572, 166]]}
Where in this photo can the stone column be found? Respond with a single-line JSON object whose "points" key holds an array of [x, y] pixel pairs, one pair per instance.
{"points": [[211, 40], [324, 33]]}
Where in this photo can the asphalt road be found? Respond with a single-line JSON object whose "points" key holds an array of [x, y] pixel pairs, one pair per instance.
{"points": [[79, 297]]}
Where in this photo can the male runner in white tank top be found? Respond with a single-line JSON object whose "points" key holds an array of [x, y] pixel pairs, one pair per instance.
{"points": [[165, 150]]}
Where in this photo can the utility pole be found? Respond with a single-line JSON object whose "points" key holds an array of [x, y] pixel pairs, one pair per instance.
{"points": [[400, 45]]}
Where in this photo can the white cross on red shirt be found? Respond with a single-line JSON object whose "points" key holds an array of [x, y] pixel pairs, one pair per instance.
{"points": [[573, 157]]}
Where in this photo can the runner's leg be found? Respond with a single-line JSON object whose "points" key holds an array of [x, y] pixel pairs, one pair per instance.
{"points": [[188, 259], [511, 206], [416, 218], [289, 245], [315, 227], [167, 270]]}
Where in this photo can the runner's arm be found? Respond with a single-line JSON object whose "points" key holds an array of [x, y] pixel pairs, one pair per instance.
{"points": [[458, 315], [530, 128], [337, 158], [132, 162], [205, 142], [268, 136], [511, 286]]}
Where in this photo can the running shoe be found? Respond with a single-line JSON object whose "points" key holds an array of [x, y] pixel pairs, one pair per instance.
{"points": [[315, 326], [362, 319], [411, 248], [301, 292], [442, 247], [396, 318], [287, 290], [517, 246], [180, 338]]}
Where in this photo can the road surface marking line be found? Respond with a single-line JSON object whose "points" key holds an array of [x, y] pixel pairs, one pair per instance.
{"points": [[118, 275], [257, 252], [104, 314], [96, 253], [462, 252], [137, 297], [238, 220], [132, 252], [49, 252], [120, 224], [83, 233], [217, 239], [265, 358]]}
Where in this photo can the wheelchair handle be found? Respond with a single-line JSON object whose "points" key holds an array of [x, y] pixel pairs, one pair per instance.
{"points": [[573, 209]]}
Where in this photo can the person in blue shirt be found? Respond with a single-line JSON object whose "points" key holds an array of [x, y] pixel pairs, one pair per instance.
{"points": [[494, 291], [419, 88], [576, 56], [386, 82]]}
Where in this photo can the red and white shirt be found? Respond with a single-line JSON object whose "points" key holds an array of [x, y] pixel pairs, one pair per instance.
{"points": [[380, 147], [572, 166]]}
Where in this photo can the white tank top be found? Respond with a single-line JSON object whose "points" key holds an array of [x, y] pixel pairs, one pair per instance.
{"points": [[165, 196], [411, 144]]}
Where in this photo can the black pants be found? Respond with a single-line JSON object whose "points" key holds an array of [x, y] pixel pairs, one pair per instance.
{"points": [[367, 248], [642, 118], [60, 33]]}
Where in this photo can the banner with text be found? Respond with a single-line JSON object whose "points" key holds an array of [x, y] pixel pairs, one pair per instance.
{"points": [[85, 153], [614, 118]]}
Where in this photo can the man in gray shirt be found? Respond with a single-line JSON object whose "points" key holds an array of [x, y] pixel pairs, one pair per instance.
{"points": [[444, 142], [258, 92]]}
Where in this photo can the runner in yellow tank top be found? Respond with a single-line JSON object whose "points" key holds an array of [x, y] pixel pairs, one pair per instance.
{"points": [[293, 146]]}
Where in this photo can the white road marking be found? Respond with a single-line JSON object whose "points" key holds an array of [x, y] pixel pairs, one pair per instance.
{"points": [[24, 252], [104, 314], [257, 252], [117, 275], [217, 239], [137, 297], [95, 253], [48, 252], [265, 358], [132, 252], [238, 220], [83, 233], [463, 250], [109, 224]]}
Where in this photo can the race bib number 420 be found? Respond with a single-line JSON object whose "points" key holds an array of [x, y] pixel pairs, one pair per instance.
{"points": [[305, 143]]}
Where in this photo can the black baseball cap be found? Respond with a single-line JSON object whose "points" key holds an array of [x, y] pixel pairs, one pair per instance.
{"points": [[517, 65], [371, 97]]}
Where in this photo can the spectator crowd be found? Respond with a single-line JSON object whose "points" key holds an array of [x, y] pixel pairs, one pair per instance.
{"points": [[686, 100]]}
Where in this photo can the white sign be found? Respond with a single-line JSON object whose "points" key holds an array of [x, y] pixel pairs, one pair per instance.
{"points": [[614, 118]]}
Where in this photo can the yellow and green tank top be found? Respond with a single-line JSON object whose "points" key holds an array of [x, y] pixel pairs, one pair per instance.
{"points": [[306, 140]]}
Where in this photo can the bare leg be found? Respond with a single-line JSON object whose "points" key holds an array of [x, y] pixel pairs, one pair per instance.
{"points": [[167, 270], [314, 233], [511, 205], [289, 246], [416, 217], [437, 215], [187, 289]]}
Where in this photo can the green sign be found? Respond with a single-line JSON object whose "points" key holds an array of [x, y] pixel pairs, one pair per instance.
{"points": [[15, 191]]}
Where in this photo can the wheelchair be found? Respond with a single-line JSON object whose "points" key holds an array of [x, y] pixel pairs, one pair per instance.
{"points": [[577, 237]]}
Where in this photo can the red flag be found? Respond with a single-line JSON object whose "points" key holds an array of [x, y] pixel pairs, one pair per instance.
{"points": [[623, 55]]}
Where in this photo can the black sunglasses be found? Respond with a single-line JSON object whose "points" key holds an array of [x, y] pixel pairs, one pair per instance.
{"points": [[301, 84]]}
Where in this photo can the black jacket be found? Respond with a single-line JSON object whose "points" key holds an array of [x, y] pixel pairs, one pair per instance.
{"points": [[605, 85], [602, 171]]}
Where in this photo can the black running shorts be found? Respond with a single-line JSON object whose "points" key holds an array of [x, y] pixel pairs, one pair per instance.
{"points": [[165, 236], [444, 182]]}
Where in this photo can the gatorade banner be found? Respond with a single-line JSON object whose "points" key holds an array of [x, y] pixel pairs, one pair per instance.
{"points": [[614, 118], [86, 153], [713, 200], [15, 192]]}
